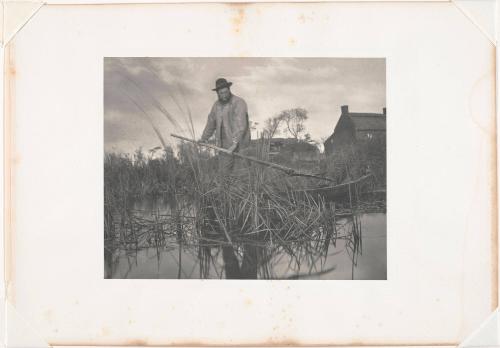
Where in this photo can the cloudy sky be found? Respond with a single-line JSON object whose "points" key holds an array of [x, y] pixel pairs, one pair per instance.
{"points": [[138, 92]]}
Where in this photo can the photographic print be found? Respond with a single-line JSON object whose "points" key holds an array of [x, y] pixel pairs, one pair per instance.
{"points": [[245, 168]]}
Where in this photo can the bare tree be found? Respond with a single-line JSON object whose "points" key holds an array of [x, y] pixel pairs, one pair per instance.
{"points": [[294, 121], [272, 125]]}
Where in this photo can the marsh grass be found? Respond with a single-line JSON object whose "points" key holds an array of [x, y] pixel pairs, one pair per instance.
{"points": [[355, 160], [253, 216], [254, 211]]}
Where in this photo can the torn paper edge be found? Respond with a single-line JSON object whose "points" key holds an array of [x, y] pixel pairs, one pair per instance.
{"points": [[8, 312], [12, 11], [488, 333], [3, 322], [17, 331], [125, 2], [6, 191]]}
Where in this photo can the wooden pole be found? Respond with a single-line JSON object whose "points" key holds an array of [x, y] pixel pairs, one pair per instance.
{"points": [[287, 170]]}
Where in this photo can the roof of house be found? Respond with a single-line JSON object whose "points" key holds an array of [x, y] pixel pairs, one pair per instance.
{"points": [[368, 121]]}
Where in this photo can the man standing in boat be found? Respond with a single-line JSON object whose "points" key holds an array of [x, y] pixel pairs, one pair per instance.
{"points": [[228, 118]]}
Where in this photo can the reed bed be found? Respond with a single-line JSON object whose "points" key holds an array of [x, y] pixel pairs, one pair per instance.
{"points": [[251, 218], [253, 210]]}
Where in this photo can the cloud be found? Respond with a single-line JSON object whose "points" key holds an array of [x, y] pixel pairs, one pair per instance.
{"points": [[269, 85]]}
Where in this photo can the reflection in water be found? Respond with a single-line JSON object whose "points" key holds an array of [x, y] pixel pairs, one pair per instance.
{"points": [[371, 264], [157, 241]]}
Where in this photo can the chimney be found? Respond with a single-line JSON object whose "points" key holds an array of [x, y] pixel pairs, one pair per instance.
{"points": [[344, 109], [384, 110]]}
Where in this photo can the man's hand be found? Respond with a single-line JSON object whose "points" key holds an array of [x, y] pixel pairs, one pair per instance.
{"points": [[233, 147]]}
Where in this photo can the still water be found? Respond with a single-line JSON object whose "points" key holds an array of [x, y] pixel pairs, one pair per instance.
{"points": [[164, 263]]}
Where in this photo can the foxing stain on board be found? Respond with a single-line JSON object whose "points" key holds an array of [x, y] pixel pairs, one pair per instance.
{"points": [[245, 168]]}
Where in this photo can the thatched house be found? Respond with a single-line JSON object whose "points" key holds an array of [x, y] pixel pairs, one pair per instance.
{"points": [[353, 128]]}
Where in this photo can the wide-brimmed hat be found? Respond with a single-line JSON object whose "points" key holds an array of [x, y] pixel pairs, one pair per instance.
{"points": [[221, 83]]}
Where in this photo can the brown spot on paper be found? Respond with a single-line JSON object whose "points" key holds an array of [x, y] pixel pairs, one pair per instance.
{"points": [[303, 18], [238, 19], [12, 70], [138, 343], [105, 331]]}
